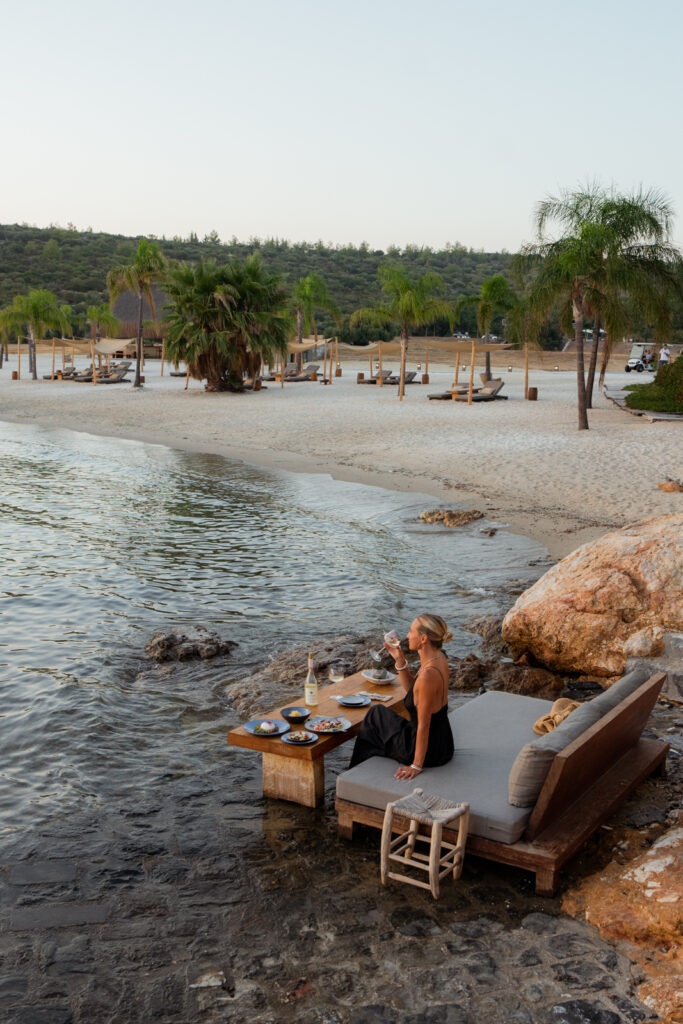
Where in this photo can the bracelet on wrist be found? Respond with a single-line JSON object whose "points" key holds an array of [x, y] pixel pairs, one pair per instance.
{"points": [[399, 668], [416, 767]]}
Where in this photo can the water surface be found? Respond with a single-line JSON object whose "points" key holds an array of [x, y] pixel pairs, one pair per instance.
{"points": [[106, 541]]}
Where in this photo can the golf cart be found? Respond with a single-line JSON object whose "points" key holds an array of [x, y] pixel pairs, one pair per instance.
{"points": [[638, 359]]}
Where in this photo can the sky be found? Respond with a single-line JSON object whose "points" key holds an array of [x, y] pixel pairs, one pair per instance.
{"points": [[393, 123]]}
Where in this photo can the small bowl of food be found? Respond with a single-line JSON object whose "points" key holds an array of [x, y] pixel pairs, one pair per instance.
{"points": [[295, 716]]}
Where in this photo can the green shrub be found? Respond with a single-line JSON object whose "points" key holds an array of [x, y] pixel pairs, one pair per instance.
{"points": [[663, 394]]}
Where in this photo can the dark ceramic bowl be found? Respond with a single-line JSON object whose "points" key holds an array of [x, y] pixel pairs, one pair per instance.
{"points": [[298, 719]]}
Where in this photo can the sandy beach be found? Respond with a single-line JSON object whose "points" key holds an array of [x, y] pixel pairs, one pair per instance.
{"points": [[523, 463]]}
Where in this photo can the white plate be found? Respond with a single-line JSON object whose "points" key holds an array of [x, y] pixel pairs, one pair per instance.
{"points": [[369, 673], [312, 724]]}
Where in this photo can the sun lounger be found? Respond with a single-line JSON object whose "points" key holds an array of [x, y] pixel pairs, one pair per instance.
{"points": [[114, 378], [487, 393], [386, 374], [309, 372], [408, 379]]}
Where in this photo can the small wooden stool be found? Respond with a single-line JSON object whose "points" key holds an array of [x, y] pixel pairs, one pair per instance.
{"points": [[423, 809]]}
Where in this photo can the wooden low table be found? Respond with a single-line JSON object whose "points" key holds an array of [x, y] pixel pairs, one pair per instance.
{"points": [[298, 773]]}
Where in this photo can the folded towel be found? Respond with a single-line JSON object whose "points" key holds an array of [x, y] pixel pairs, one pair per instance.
{"points": [[558, 712]]}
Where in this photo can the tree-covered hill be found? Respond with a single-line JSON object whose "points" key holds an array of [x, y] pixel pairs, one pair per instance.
{"points": [[74, 264]]}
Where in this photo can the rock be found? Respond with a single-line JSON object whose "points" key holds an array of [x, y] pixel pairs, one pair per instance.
{"points": [[282, 679], [451, 516], [580, 1011], [581, 615], [646, 643], [197, 642], [671, 486], [641, 902], [469, 673], [527, 680], [489, 629]]}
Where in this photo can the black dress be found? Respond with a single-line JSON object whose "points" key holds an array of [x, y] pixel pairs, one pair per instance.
{"points": [[385, 734]]}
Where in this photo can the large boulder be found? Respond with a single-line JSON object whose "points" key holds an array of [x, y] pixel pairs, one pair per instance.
{"points": [[641, 903], [607, 601]]}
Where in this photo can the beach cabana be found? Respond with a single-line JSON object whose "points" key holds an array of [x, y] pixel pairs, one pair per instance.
{"points": [[103, 347], [456, 347]]}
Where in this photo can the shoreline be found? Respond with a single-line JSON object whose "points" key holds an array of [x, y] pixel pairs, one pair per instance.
{"points": [[539, 525], [523, 464]]}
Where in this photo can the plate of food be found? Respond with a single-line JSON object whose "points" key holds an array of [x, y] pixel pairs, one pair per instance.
{"points": [[378, 676], [353, 700], [267, 727], [299, 737], [329, 723]]}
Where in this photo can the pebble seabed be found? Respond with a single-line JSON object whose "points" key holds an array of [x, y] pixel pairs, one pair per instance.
{"points": [[209, 903]]}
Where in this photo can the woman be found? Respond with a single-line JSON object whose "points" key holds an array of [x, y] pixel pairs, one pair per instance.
{"points": [[426, 740]]}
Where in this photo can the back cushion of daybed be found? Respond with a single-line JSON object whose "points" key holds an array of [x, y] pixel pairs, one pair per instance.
{"points": [[532, 764]]}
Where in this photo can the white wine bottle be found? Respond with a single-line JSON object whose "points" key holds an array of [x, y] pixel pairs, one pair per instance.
{"points": [[311, 685]]}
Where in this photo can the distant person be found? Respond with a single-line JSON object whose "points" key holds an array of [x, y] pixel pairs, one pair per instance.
{"points": [[647, 357], [426, 740], [664, 355]]}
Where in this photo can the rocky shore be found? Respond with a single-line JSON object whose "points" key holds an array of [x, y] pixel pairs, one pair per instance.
{"points": [[201, 901], [205, 902]]}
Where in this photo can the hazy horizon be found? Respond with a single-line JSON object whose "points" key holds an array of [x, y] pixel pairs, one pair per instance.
{"points": [[361, 122]]}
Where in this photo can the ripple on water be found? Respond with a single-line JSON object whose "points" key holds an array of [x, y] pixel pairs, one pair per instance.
{"points": [[107, 541]]}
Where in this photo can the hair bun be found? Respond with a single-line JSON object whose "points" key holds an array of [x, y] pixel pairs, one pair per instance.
{"points": [[447, 635]]}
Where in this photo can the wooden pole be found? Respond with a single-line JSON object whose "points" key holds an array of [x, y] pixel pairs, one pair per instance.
{"points": [[457, 369], [469, 393], [163, 352], [401, 385], [336, 356], [370, 363], [63, 358], [53, 359], [379, 379], [526, 369], [282, 371], [92, 356], [18, 357], [426, 358]]}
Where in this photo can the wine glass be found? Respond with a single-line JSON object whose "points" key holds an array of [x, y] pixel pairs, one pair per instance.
{"points": [[392, 639], [336, 673]]}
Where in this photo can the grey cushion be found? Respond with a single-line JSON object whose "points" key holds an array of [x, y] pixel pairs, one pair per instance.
{"points": [[532, 764], [488, 732], [622, 688]]}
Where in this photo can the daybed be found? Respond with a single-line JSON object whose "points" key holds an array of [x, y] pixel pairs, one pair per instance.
{"points": [[534, 800]]}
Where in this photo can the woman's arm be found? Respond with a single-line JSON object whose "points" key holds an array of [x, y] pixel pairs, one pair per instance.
{"points": [[401, 665]]}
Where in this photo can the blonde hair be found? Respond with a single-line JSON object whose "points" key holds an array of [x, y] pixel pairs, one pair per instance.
{"points": [[435, 629]]}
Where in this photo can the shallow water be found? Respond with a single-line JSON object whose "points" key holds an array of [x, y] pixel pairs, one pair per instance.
{"points": [[106, 541]]}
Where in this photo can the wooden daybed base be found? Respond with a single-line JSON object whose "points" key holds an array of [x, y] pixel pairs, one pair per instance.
{"points": [[570, 807]]}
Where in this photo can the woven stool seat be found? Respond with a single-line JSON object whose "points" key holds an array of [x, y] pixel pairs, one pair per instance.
{"points": [[427, 809], [431, 812]]}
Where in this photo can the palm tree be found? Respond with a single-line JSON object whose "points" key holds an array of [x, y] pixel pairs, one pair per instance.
{"points": [[408, 304], [522, 329], [310, 293], [146, 269], [223, 320], [614, 247], [495, 296], [36, 312], [101, 319]]}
